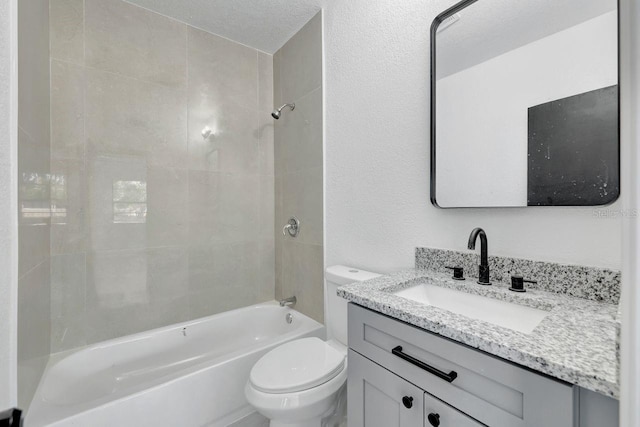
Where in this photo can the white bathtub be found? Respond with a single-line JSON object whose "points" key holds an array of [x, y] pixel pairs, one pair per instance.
{"points": [[188, 375]]}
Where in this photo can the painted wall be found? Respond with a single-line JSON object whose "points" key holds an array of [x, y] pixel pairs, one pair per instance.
{"points": [[8, 175], [489, 153], [34, 296], [630, 159], [377, 156], [154, 224], [298, 169]]}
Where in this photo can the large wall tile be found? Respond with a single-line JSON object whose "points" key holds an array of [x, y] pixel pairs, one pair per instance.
{"points": [[127, 116], [33, 67], [34, 319], [167, 215], [116, 280], [33, 202], [278, 276], [303, 276], [168, 273], [68, 285], [266, 137], [108, 324], [265, 272], [68, 333], [67, 110], [227, 276], [277, 75], [34, 330], [127, 292], [266, 207], [299, 135], [301, 66], [223, 207], [234, 144], [302, 198], [68, 206], [265, 82], [68, 280], [66, 18], [129, 40], [224, 69]]}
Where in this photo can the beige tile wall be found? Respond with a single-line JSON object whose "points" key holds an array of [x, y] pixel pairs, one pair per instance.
{"points": [[34, 320], [298, 165], [131, 92]]}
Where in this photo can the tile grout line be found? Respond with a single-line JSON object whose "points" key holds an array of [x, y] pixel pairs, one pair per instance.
{"points": [[85, 270]]}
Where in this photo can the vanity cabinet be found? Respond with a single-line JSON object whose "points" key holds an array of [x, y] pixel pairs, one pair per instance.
{"points": [[379, 398], [389, 360]]}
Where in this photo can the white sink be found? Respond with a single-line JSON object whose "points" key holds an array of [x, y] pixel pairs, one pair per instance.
{"points": [[508, 315]]}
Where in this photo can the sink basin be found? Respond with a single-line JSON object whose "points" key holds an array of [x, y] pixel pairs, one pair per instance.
{"points": [[501, 313]]}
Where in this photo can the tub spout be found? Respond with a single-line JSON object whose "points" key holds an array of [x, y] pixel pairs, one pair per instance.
{"points": [[290, 302]]}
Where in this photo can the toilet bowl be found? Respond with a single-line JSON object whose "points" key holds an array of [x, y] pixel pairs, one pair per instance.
{"points": [[299, 383], [302, 383]]}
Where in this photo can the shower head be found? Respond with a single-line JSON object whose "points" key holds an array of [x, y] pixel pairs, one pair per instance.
{"points": [[277, 113]]}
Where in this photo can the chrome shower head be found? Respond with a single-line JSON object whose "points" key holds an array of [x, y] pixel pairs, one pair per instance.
{"points": [[277, 113]]}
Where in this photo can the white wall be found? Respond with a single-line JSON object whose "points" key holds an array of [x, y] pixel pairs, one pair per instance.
{"points": [[377, 155], [8, 261], [489, 153], [630, 130]]}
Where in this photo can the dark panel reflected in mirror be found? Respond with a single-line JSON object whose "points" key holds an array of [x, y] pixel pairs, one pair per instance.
{"points": [[525, 104], [573, 150]]}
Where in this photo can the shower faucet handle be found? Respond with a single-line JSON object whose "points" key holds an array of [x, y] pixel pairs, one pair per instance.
{"points": [[292, 227]]}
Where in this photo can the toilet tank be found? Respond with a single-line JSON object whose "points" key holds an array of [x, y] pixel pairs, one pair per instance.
{"points": [[336, 310]]}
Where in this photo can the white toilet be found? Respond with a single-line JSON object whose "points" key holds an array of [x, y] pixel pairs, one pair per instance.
{"points": [[302, 383]]}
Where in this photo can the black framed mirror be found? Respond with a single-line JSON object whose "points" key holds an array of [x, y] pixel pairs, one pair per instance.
{"points": [[525, 104]]}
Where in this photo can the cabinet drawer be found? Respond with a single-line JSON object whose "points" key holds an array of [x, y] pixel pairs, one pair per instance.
{"points": [[491, 390], [438, 413]]}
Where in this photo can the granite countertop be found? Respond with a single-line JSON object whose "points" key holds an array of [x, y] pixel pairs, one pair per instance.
{"points": [[576, 342]]}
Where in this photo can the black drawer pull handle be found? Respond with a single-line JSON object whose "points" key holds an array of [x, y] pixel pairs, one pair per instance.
{"points": [[420, 364]]}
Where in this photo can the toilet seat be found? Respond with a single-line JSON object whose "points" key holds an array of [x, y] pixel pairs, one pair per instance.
{"points": [[297, 366]]}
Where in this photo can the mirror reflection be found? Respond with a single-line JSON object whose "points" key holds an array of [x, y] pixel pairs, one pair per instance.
{"points": [[525, 104]]}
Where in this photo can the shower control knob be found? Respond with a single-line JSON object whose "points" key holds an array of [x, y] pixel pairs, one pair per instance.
{"points": [[434, 419], [407, 401]]}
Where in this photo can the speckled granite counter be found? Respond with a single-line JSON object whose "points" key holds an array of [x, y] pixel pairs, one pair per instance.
{"points": [[576, 342]]}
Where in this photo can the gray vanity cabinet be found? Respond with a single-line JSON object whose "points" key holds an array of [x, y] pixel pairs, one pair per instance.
{"points": [[379, 398], [465, 387]]}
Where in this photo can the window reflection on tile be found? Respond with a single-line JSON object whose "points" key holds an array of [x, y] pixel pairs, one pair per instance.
{"points": [[118, 202], [58, 198], [129, 202], [34, 198]]}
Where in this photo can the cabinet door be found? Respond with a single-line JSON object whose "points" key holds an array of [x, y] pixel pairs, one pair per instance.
{"points": [[439, 414], [378, 398]]}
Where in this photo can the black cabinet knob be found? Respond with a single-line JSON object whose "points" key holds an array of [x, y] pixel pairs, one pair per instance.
{"points": [[434, 419], [407, 401]]}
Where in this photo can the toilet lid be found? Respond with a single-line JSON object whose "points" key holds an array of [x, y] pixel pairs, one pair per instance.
{"points": [[297, 365]]}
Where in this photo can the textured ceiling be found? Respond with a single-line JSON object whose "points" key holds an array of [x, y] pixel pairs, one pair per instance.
{"points": [[265, 25], [489, 28], [486, 29]]}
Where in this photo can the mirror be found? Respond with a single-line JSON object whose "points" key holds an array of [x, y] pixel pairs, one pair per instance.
{"points": [[525, 104]]}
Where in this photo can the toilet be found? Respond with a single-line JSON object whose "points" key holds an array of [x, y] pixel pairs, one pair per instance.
{"points": [[302, 383]]}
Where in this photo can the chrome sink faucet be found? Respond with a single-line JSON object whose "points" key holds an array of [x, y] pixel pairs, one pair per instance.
{"points": [[290, 302], [483, 268]]}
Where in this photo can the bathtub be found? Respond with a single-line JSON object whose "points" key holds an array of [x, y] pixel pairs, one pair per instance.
{"points": [[189, 375]]}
